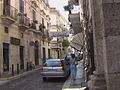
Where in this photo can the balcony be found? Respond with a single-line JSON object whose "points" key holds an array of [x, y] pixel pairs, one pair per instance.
{"points": [[9, 15], [45, 34], [73, 2], [32, 24], [24, 22], [75, 22]]}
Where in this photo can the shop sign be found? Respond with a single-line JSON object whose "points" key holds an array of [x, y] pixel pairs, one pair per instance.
{"points": [[15, 41], [59, 34]]}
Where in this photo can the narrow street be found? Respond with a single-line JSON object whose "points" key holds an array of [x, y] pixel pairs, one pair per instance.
{"points": [[33, 81]]}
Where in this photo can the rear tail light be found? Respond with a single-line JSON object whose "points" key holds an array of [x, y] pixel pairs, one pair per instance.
{"points": [[62, 68], [41, 68]]}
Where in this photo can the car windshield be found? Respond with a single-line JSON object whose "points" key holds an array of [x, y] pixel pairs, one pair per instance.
{"points": [[68, 57], [52, 64]]}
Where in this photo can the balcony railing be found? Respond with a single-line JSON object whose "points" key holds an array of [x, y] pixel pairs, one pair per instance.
{"points": [[32, 24], [45, 34], [73, 2], [9, 10], [24, 20], [9, 15], [42, 28]]}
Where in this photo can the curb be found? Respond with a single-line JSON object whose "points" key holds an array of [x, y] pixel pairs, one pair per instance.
{"points": [[66, 84], [18, 76]]}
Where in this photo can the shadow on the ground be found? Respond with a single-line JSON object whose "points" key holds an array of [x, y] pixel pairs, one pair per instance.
{"points": [[54, 80]]}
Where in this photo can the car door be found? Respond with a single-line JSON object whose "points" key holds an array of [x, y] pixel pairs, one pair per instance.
{"points": [[66, 67]]}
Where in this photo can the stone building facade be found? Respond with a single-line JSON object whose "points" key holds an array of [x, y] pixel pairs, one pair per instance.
{"points": [[58, 24], [101, 17], [24, 26]]}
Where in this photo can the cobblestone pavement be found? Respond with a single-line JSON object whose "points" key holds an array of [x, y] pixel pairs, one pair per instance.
{"points": [[79, 83], [33, 81]]}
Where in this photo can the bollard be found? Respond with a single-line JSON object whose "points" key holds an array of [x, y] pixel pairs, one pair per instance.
{"points": [[17, 68], [12, 70], [27, 66], [31, 66]]}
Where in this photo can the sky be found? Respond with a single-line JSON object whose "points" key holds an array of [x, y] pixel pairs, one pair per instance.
{"points": [[59, 4]]}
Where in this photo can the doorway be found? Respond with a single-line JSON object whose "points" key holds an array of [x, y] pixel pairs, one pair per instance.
{"points": [[44, 55], [21, 57], [49, 53], [36, 55], [5, 57], [58, 52]]}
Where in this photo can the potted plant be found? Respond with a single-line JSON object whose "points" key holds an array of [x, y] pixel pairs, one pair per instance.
{"points": [[65, 43], [35, 21], [41, 27], [19, 14], [25, 14]]}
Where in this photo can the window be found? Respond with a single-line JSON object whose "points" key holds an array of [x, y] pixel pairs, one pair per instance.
{"points": [[33, 15], [22, 35], [47, 25], [7, 2], [43, 21], [6, 9], [6, 29], [21, 6], [52, 64]]}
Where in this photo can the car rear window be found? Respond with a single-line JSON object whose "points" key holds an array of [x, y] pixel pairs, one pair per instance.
{"points": [[52, 64]]}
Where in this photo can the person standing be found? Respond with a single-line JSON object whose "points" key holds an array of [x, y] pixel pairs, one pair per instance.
{"points": [[73, 67]]}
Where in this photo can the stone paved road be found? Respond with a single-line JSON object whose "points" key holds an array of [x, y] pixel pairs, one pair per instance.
{"points": [[33, 81]]}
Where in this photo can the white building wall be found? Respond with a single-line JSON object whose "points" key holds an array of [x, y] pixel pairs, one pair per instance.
{"points": [[53, 19]]}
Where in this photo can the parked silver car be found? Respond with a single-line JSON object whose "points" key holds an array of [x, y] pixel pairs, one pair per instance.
{"points": [[55, 68]]}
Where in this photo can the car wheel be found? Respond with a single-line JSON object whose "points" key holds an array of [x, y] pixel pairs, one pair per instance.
{"points": [[44, 78]]}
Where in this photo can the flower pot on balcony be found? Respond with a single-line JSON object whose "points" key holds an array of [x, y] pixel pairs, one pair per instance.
{"points": [[25, 14], [41, 27], [19, 14], [32, 25], [35, 21]]}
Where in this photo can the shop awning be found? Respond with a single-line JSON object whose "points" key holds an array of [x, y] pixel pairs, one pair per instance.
{"points": [[77, 41]]}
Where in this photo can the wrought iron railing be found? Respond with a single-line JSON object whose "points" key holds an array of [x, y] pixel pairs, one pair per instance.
{"points": [[11, 11], [45, 33], [42, 28], [24, 20], [32, 24]]}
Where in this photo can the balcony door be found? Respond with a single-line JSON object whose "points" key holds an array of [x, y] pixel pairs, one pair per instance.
{"points": [[6, 9], [21, 6], [7, 2]]}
